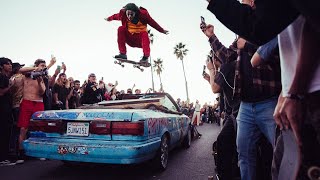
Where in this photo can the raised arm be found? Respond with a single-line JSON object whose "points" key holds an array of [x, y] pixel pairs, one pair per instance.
{"points": [[257, 25], [145, 16], [223, 53]]}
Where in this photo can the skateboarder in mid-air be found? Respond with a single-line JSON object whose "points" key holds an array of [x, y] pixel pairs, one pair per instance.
{"points": [[134, 30]]}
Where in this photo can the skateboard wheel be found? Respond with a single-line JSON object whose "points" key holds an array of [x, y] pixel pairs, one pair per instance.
{"points": [[141, 70], [122, 65]]}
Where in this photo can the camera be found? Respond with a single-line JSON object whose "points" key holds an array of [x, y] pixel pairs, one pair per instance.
{"points": [[202, 20], [35, 74], [204, 70], [203, 24]]}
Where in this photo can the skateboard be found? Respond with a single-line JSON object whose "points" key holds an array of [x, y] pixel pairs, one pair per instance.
{"points": [[291, 160], [136, 64]]}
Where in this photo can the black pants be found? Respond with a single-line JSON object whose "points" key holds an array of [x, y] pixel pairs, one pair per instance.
{"points": [[15, 131], [5, 128], [227, 151]]}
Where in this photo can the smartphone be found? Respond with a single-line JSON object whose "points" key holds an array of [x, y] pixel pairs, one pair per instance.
{"points": [[59, 67], [204, 70], [203, 24], [202, 20]]}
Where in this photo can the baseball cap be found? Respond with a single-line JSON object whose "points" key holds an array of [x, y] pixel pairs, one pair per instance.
{"points": [[17, 65]]}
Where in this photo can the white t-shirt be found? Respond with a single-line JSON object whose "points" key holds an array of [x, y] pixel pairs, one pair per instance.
{"points": [[197, 107], [290, 46]]}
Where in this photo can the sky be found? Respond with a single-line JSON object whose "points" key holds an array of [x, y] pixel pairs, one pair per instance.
{"points": [[76, 33]]}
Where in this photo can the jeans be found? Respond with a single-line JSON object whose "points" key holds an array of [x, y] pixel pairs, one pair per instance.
{"points": [[254, 120]]}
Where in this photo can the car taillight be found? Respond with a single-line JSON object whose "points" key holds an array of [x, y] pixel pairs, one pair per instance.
{"points": [[100, 127], [46, 126], [128, 128]]}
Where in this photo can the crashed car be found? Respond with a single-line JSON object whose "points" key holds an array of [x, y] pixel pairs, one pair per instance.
{"points": [[135, 129]]}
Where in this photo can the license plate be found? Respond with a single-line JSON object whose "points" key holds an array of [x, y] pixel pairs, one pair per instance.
{"points": [[77, 129]]}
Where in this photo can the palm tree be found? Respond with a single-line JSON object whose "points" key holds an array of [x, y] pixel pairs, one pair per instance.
{"points": [[151, 37], [180, 51], [158, 67]]}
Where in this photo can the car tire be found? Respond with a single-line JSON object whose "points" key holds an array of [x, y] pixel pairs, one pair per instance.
{"points": [[187, 139], [162, 156]]}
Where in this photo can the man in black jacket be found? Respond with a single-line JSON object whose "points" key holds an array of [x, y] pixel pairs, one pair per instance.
{"points": [[92, 94]]}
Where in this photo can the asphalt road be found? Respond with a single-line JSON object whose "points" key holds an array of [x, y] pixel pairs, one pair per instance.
{"points": [[195, 163]]}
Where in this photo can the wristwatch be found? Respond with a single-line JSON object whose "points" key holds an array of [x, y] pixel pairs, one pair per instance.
{"points": [[295, 97]]}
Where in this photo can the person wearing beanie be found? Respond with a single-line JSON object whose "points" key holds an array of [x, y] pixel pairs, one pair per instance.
{"points": [[134, 29]]}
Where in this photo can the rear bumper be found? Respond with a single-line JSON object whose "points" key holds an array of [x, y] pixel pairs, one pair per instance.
{"points": [[110, 152]]}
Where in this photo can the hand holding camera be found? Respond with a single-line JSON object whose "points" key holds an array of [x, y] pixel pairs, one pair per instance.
{"points": [[203, 24], [206, 76], [211, 66], [35, 74], [64, 67], [208, 30], [204, 70], [53, 60]]}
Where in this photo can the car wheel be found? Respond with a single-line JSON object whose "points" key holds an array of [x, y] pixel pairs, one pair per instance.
{"points": [[187, 140], [161, 160]]}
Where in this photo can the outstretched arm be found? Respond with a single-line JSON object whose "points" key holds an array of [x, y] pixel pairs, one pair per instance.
{"points": [[115, 16], [154, 24], [223, 53], [257, 25]]}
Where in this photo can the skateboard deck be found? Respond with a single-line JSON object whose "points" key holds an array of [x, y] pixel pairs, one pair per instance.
{"points": [[136, 64], [291, 160]]}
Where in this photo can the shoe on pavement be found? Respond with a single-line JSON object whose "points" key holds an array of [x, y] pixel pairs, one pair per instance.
{"points": [[121, 56], [21, 157], [6, 163], [20, 161]]}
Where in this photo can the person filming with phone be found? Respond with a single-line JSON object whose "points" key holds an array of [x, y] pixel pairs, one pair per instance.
{"points": [[256, 87]]}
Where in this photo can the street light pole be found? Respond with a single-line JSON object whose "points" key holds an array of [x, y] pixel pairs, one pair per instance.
{"points": [[152, 75]]}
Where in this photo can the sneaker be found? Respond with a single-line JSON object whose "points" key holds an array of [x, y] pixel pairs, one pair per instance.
{"points": [[21, 157], [6, 163], [42, 159], [20, 161], [144, 59], [121, 56]]}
